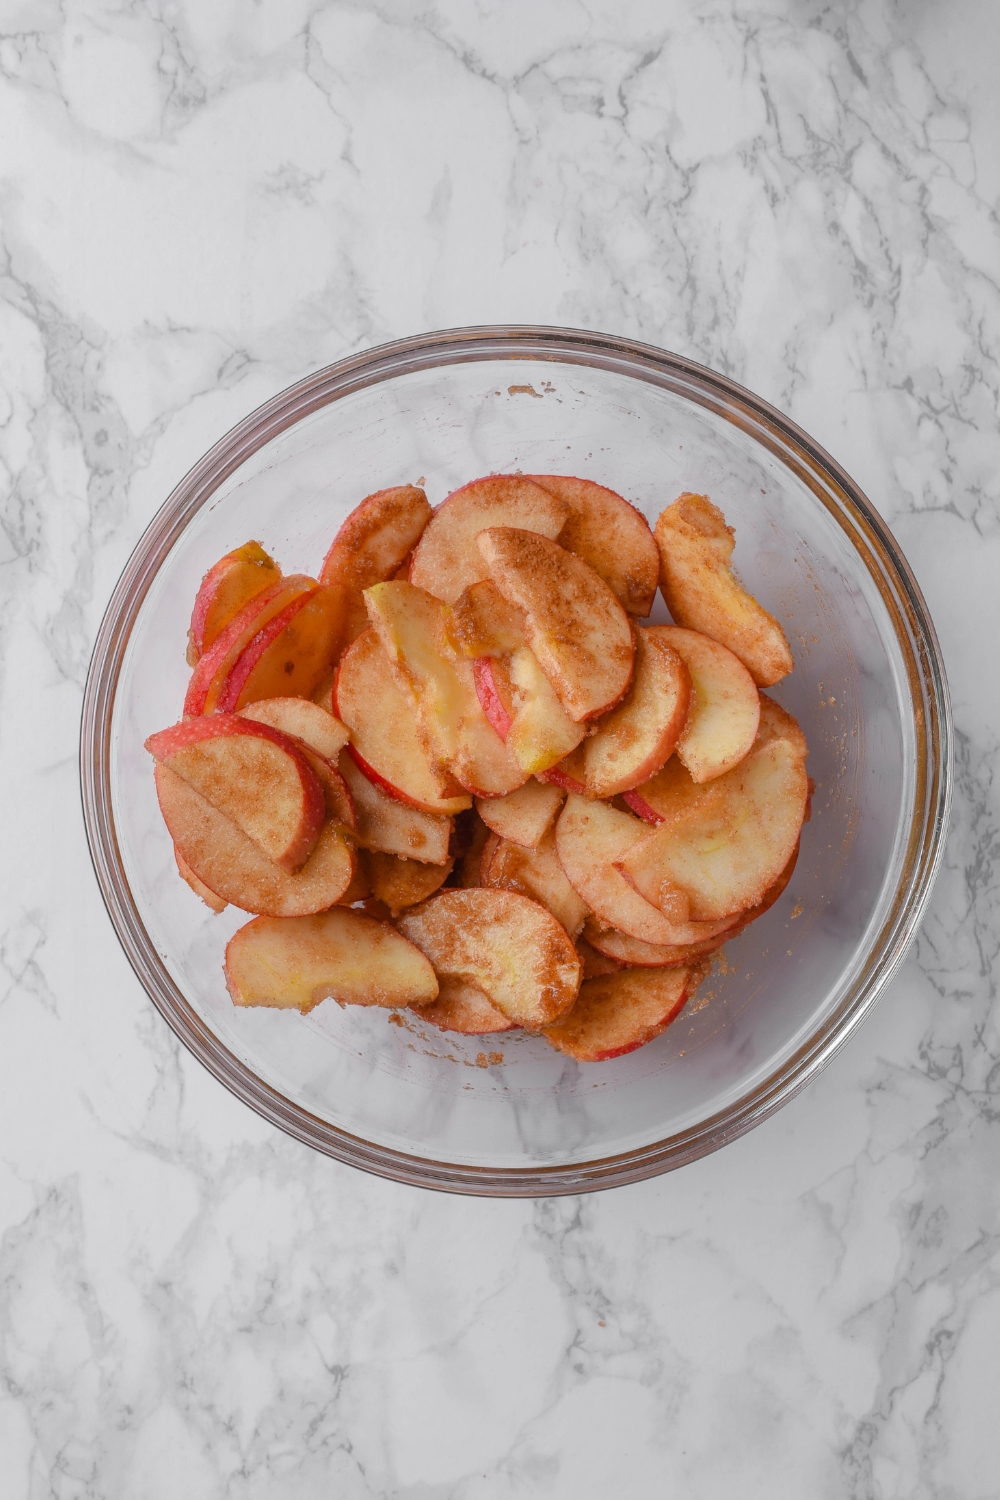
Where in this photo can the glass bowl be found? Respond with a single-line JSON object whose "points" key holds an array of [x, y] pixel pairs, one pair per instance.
{"points": [[508, 1115]]}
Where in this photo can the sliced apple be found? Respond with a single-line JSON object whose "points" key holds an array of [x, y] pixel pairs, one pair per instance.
{"points": [[290, 655], [385, 742], [456, 735], [303, 720], [233, 866], [254, 775], [508, 945], [446, 561], [295, 962], [520, 703], [722, 844], [371, 545], [215, 664], [622, 1012], [595, 964], [462, 1006], [360, 888], [226, 589], [400, 883], [637, 737], [483, 623], [470, 860], [702, 592], [495, 693], [629, 952], [389, 826], [524, 816], [725, 706], [198, 886], [611, 535], [536, 873], [576, 628]]}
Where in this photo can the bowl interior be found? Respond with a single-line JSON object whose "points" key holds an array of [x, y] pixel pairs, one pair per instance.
{"points": [[512, 1103]]}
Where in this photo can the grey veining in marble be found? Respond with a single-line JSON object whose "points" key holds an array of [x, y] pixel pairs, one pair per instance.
{"points": [[201, 201]]}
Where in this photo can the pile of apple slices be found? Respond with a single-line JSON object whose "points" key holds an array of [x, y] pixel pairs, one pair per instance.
{"points": [[456, 773]]}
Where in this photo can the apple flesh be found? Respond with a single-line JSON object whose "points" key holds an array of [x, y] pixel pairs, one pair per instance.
{"points": [[518, 700], [512, 948], [576, 628], [462, 1006], [595, 964], [290, 655], [482, 622], [293, 963], [198, 886], [304, 721], [725, 705], [234, 867], [637, 737], [215, 664], [401, 883], [385, 741], [388, 826], [254, 775], [446, 561], [702, 593], [611, 535], [629, 952], [372, 544], [621, 1012], [536, 873], [226, 589], [722, 844], [524, 816]]}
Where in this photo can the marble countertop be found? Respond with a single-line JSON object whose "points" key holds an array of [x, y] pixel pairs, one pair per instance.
{"points": [[204, 201]]}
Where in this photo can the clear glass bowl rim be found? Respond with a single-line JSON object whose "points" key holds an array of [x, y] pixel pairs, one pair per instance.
{"points": [[828, 482]]}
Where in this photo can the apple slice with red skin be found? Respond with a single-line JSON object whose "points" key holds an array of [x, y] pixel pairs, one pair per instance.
{"points": [[401, 883], [703, 594], [388, 826], [611, 535], [722, 844], [483, 623], [576, 628], [233, 866], [595, 964], [198, 886], [521, 704], [462, 1006], [226, 589], [290, 655], [386, 744], [293, 963], [497, 705], [725, 705], [621, 1012], [215, 664], [372, 544], [254, 775], [304, 721], [512, 948], [637, 737], [446, 561], [536, 873], [524, 816]]}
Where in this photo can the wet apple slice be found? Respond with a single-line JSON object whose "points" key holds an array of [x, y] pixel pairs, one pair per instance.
{"points": [[386, 825], [293, 963], [524, 816], [621, 1012], [508, 945], [536, 873], [229, 862], [637, 737], [290, 655], [576, 628], [226, 589], [303, 720], [722, 844], [446, 561], [371, 545], [256, 776], [401, 883], [462, 1006], [611, 535], [385, 742], [703, 594], [725, 705]]}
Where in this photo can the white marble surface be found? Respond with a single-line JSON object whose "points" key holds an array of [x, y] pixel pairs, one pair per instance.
{"points": [[203, 200]]}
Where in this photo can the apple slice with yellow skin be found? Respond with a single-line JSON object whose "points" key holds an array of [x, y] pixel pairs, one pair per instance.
{"points": [[290, 655], [536, 873], [462, 1006], [198, 886], [524, 816], [637, 737], [388, 826], [304, 721], [483, 623], [725, 705], [455, 733], [385, 742], [226, 589], [446, 561], [576, 628], [215, 664], [621, 1012], [256, 776], [401, 883], [611, 535], [234, 867], [292, 963], [702, 592], [512, 948], [723, 843], [372, 544]]}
